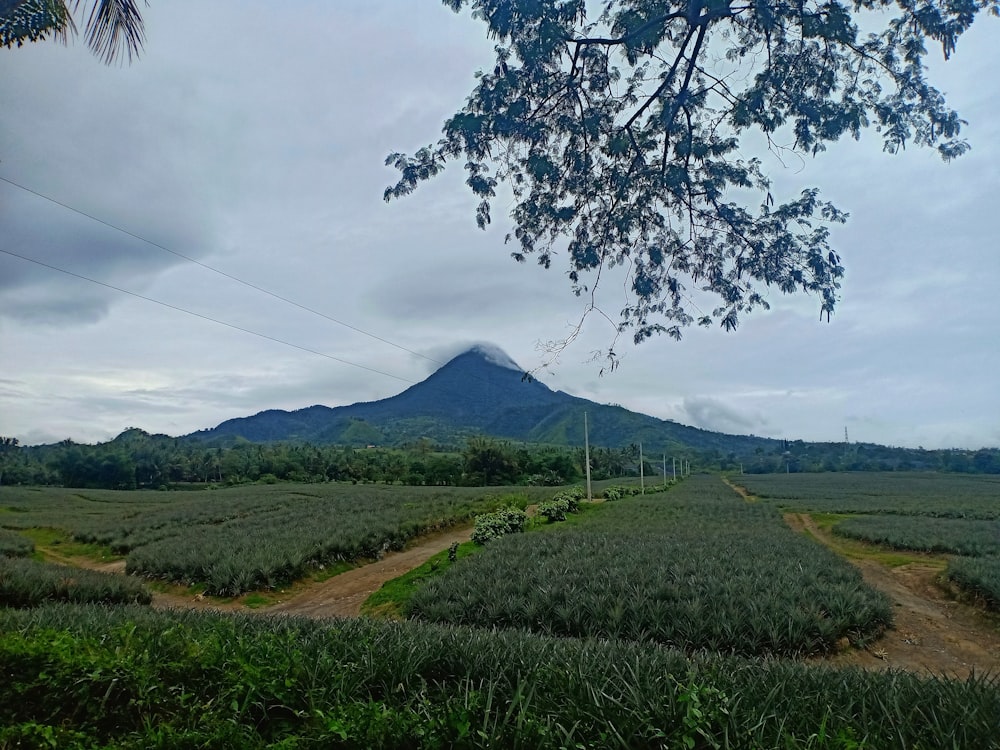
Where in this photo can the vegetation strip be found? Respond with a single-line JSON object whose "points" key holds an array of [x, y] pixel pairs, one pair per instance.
{"points": [[904, 511], [651, 570], [251, 538], [130, 677]]}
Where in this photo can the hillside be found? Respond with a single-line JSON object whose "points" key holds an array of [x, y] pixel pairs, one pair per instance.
{"points": [[478, 392]]}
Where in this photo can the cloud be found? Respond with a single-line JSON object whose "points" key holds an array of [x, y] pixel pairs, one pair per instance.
{"points": [[713, 414], [266, 161]]}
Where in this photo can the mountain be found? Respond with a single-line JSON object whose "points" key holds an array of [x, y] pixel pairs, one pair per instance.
{"points": [[480, 392]]}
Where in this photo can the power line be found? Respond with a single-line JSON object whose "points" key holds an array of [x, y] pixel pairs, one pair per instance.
{"points": [[207, 267], [199, 315]]}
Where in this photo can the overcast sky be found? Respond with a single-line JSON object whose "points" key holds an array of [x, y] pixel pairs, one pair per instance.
{"points": [[251, 137]]}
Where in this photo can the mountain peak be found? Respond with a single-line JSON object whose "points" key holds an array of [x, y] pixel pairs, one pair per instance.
{"points": [[492, 354]]}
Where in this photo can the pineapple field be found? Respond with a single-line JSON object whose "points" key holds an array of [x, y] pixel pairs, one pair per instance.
{"points": [[688, 618]]}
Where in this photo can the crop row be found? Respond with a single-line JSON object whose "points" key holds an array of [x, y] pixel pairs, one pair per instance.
{"points": [[247, 538], [961, 536], [277, 544], [695, 568], [133, 678], [943, 513], [28, 583], [15, 545], [978, 575], [907, 493]]}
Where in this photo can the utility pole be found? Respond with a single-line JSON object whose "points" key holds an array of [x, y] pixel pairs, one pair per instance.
{"points": [[664, 469], [642, 478], [586, 454], [674, 461]]}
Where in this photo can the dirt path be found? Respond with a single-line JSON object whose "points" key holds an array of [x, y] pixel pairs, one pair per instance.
{"points": [[340, 596], [933, 634], [343, 595]]}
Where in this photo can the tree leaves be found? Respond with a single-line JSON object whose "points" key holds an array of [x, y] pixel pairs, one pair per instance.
{"points": [[620, 136], [114, 27]]}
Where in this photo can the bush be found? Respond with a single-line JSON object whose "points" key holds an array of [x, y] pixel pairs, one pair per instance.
{"points": [[555, 509], [499, 523], [613, 493], [571, 497]]}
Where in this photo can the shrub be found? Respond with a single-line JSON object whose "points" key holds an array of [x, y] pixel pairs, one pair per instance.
{"points": [[499, 523], [555, 509]]}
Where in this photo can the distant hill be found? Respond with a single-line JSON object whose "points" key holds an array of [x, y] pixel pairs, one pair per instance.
{"points": [[479, 392]]}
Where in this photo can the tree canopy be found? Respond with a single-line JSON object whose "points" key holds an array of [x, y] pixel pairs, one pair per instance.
{"points": [[619, 128], [114, 27]]}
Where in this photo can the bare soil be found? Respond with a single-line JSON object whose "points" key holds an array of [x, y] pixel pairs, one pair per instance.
{"points": [[933, 633], [343, 595]]}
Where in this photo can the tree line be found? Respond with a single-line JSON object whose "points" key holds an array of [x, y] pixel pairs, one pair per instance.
{"points": [[137, 460]]}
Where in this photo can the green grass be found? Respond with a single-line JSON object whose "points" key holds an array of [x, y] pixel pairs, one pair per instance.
{"points": [[855, 549], [390, 601], [255, 601], [327, 572], [58, 543]]}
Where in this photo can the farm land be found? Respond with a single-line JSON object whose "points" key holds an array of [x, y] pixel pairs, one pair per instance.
{"points": [[691, 618]]}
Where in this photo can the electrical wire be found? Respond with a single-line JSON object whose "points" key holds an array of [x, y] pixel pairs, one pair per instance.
{"points": [[218, 271], [200, 315]]}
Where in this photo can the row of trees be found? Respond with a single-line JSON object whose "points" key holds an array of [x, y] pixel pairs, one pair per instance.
{"points": [[138, 460]]}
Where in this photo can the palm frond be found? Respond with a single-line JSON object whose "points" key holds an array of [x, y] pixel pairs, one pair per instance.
{"points": [[115, 27]]}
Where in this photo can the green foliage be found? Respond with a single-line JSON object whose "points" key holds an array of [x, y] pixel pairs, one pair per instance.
{"points": [[499, 523], [554, 509], [960, 536], [650, 570], [114, 27], [393, 598], [896, 493], [619, 135], [28, 583], [15, 545], [942, 513], [33, 20], [979, 576], [256, 537], [136, 678]]}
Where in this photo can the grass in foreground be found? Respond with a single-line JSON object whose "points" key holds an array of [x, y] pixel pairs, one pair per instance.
{"points": [[89, 677]]}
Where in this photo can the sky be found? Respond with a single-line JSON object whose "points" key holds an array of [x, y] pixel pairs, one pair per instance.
{"points": [[250, 138]]}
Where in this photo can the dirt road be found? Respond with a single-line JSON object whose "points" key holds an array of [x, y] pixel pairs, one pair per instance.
{"points": [[343, 595], [933, 633]]}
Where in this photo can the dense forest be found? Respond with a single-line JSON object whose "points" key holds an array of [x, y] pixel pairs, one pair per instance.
{"points": [[136, 460]]}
